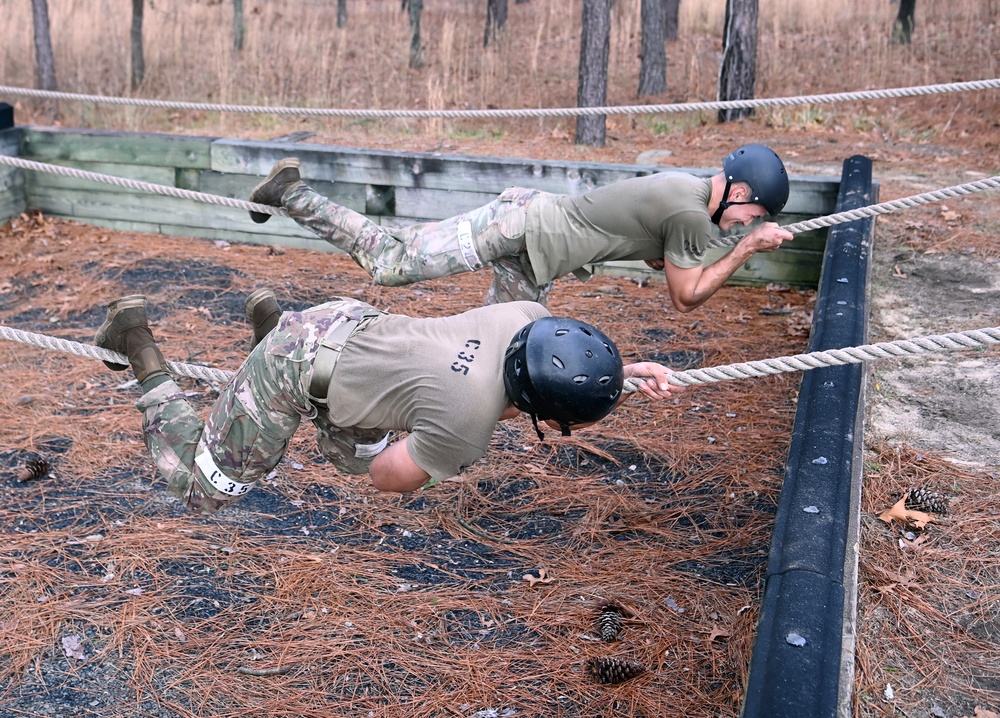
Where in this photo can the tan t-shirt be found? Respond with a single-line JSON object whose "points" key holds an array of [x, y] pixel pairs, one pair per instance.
{"points": [[659, 216], [441, 379]]}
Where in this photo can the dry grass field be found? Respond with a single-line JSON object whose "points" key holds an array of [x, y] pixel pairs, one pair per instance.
{"points": [[362, 604]]}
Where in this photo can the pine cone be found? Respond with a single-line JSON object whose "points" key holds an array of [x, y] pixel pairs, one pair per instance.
{"points": [[610, 618], [921, 499], [608, 669], [35, 469]]}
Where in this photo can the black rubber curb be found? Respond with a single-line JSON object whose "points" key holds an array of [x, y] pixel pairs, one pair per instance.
{"points": [[803, 658]]}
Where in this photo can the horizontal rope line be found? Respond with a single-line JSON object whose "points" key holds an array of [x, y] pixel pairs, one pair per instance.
{"points": [[816, 223], [914, 91], [903, 348]]}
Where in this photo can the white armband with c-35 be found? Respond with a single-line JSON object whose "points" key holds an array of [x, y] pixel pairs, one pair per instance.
{"points": [[218, 479]]}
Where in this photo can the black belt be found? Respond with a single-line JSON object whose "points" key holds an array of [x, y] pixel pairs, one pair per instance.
{"points": [[329, 354]]}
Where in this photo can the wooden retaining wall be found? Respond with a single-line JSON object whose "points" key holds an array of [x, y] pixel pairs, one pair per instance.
{"points": [[391, 188]]}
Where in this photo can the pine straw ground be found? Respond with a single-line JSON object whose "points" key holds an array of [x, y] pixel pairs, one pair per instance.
{"points": [[115, 601]]}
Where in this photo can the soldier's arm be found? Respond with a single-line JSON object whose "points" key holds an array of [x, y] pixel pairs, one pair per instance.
{"points": [[394, 470]]}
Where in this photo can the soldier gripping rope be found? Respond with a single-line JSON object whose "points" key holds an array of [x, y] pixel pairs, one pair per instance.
{"points": [[530, 238], [358, 373]]}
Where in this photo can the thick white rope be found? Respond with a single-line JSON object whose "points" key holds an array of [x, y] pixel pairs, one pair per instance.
{"points": [[141, 186], [902, 348], [536, 112], [196, 371], [825, 221]]}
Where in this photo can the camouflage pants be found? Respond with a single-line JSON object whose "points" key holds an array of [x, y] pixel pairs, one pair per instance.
{"points": [[395, 256], [212, 464]]}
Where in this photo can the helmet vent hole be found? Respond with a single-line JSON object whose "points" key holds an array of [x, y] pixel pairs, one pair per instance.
{"points": [[608, 347], [557, 362], [604, 380], [562, 332], [580, 379], [586, 331], [589, 354]]}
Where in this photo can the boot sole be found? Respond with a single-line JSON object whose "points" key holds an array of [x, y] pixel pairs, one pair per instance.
{"points": [[132, 300], [260, 217]]}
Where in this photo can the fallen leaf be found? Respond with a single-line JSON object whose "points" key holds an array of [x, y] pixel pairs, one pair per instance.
{"points": [[899, 512], [983, 713], [949, 216], [898, 274], [73, 648], [542, 577], [717, 633]]}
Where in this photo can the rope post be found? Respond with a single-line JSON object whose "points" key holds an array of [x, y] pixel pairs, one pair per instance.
{"points": [[6, 116]]}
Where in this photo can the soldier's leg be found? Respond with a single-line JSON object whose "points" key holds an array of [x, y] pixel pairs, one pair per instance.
{"points": [[511, 283], [404, 255]]}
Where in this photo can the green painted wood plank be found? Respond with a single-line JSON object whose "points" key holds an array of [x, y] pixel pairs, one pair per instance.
{"points": [[810, 195], [157, 175], [10, 142], [352, 196], [435, 204], [784, 266], [44, 144]]}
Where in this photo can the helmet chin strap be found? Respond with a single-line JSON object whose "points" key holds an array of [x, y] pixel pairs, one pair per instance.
{"points": [[541, 436], [725, 204]]}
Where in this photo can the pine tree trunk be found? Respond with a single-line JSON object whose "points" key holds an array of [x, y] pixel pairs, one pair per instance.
{"points": [[341, 13], [592, 91], [138, 61], [672, 10], [239, 29], [45, 63], [739, 57], [416, 54], [902, 28], [653, 55], [496, 19]]}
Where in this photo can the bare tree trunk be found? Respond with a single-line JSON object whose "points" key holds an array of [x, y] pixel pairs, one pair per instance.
{"points": [[902, 28], [653, 55], [45, 63], [341, 13], [416, 54], [496, 19], [239, 28], [138, 61], [672, 10], [739, 57], [592, 91]]}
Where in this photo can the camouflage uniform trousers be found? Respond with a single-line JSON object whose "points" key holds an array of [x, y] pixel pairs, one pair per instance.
{"points": [[251, 422], [396, 256]]}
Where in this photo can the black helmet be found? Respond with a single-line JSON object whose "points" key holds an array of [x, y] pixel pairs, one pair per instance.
{"points": [[762, 169], [563, 370]]}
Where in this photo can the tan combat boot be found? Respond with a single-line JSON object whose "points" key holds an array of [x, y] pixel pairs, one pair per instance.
{"points": [[283, 175], [126, 331], [263, 312]]}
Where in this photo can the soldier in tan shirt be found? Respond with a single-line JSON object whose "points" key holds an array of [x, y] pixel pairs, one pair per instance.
{"points": [[358, 373], [530, 237]]}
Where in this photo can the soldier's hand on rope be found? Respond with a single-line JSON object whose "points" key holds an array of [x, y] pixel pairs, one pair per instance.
{"points": [[767, 237], [651, 380]]}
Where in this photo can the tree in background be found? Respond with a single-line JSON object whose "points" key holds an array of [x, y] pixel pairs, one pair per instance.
{"points": [[672, 15], [415, 7], [138, 60], [341, 13], [652, 53], [739, 57], [45, 63], [592, 90], [496, 19], [902, 28], [239, 28]]}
